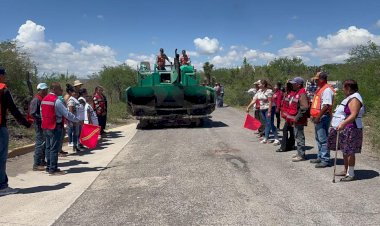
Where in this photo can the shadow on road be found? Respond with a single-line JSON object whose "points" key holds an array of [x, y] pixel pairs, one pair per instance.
{"points": [[207, 123], [71, 163], [112, 134], [366, 174], [85, 169], [43, 188]]}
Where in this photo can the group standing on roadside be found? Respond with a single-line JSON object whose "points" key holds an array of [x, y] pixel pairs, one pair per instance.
{"points": [[50, 113], [295, 107]]}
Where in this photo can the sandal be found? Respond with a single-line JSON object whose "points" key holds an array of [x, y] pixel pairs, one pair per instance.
{"points": [[347, 179]]}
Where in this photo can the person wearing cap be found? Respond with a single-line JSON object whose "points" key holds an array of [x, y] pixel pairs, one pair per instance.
{"points": [[53, 113], [161, 59], [320, 112], [35, 112], [77, 85], [297, 116], [7, 103]]}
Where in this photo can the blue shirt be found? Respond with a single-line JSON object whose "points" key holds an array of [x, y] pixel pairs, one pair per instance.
{"points": [[61, 110]]}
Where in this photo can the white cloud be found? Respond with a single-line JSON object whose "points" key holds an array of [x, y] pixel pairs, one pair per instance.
{"points": [[335, 48], [207, 46], [295, 17], [378, 23], [135, 59], [290, 36], [235, 56], [61, 57], [101, 17], [297, 49], [132, 63]]}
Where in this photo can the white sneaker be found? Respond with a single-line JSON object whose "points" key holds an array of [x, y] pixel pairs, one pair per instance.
{"points": [[70, 144], [264, 141], [276, 142], [8, 191]]}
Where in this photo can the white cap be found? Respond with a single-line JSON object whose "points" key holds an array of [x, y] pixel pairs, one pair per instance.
{"points": [[42, 86], [82, 98]]}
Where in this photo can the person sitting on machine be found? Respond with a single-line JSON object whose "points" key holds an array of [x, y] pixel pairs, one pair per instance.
{"points": [[161, 59]]}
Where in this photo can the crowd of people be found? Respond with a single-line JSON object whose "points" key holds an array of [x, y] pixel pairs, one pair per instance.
{"points": [[53, 116], [296, 107]]}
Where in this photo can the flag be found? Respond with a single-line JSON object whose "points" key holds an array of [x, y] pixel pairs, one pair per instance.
{"points": [[251, 123], [89, 135]]}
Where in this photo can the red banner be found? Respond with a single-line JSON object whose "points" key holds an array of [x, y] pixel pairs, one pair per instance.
{"points": [[89, 135], [251, 123]]}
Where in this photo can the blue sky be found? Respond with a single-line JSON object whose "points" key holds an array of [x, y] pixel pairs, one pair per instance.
{"points": [[83, 35]]}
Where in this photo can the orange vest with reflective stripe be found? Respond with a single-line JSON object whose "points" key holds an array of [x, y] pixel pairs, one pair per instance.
{"points": [[48, 115], [315, 108], [2, 87]]}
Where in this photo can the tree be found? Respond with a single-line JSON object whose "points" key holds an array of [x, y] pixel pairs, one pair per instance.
{"points": [[207, 68], [20, 69], [363, 53], [116, 79]]}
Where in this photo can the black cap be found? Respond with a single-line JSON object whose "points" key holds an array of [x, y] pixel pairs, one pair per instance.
{"points": [[2, 71]]}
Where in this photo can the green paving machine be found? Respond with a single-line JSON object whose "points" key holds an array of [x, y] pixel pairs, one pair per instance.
{"points": [[173, 96]]}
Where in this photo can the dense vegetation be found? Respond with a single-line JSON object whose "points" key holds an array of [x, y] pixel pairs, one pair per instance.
{"points": [[363, 66]]}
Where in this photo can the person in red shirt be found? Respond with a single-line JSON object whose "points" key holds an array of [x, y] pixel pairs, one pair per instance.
{"points": [[277, 99], [100, 106], [184, 59], [161, 59]]}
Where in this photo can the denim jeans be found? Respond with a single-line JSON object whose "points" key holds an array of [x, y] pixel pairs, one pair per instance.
{"points": [[53, 144], [321, 134], [73, 133], [300, 139], [39, 148], [70, 134], [4, 141], [269, 123]]}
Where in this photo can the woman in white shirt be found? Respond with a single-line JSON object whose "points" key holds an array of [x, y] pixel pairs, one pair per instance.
{"points": [[75, 107], [89, 113], [267, 110]]}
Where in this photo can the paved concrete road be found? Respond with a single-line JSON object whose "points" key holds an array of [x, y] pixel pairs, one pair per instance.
{"points": [[221, 175], [216, 175]]}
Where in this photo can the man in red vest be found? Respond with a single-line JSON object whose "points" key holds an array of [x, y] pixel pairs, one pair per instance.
{"points": [[161, 59], [53, 112], [6, 103], [35, 112], [297, 116], [321, 111]]}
